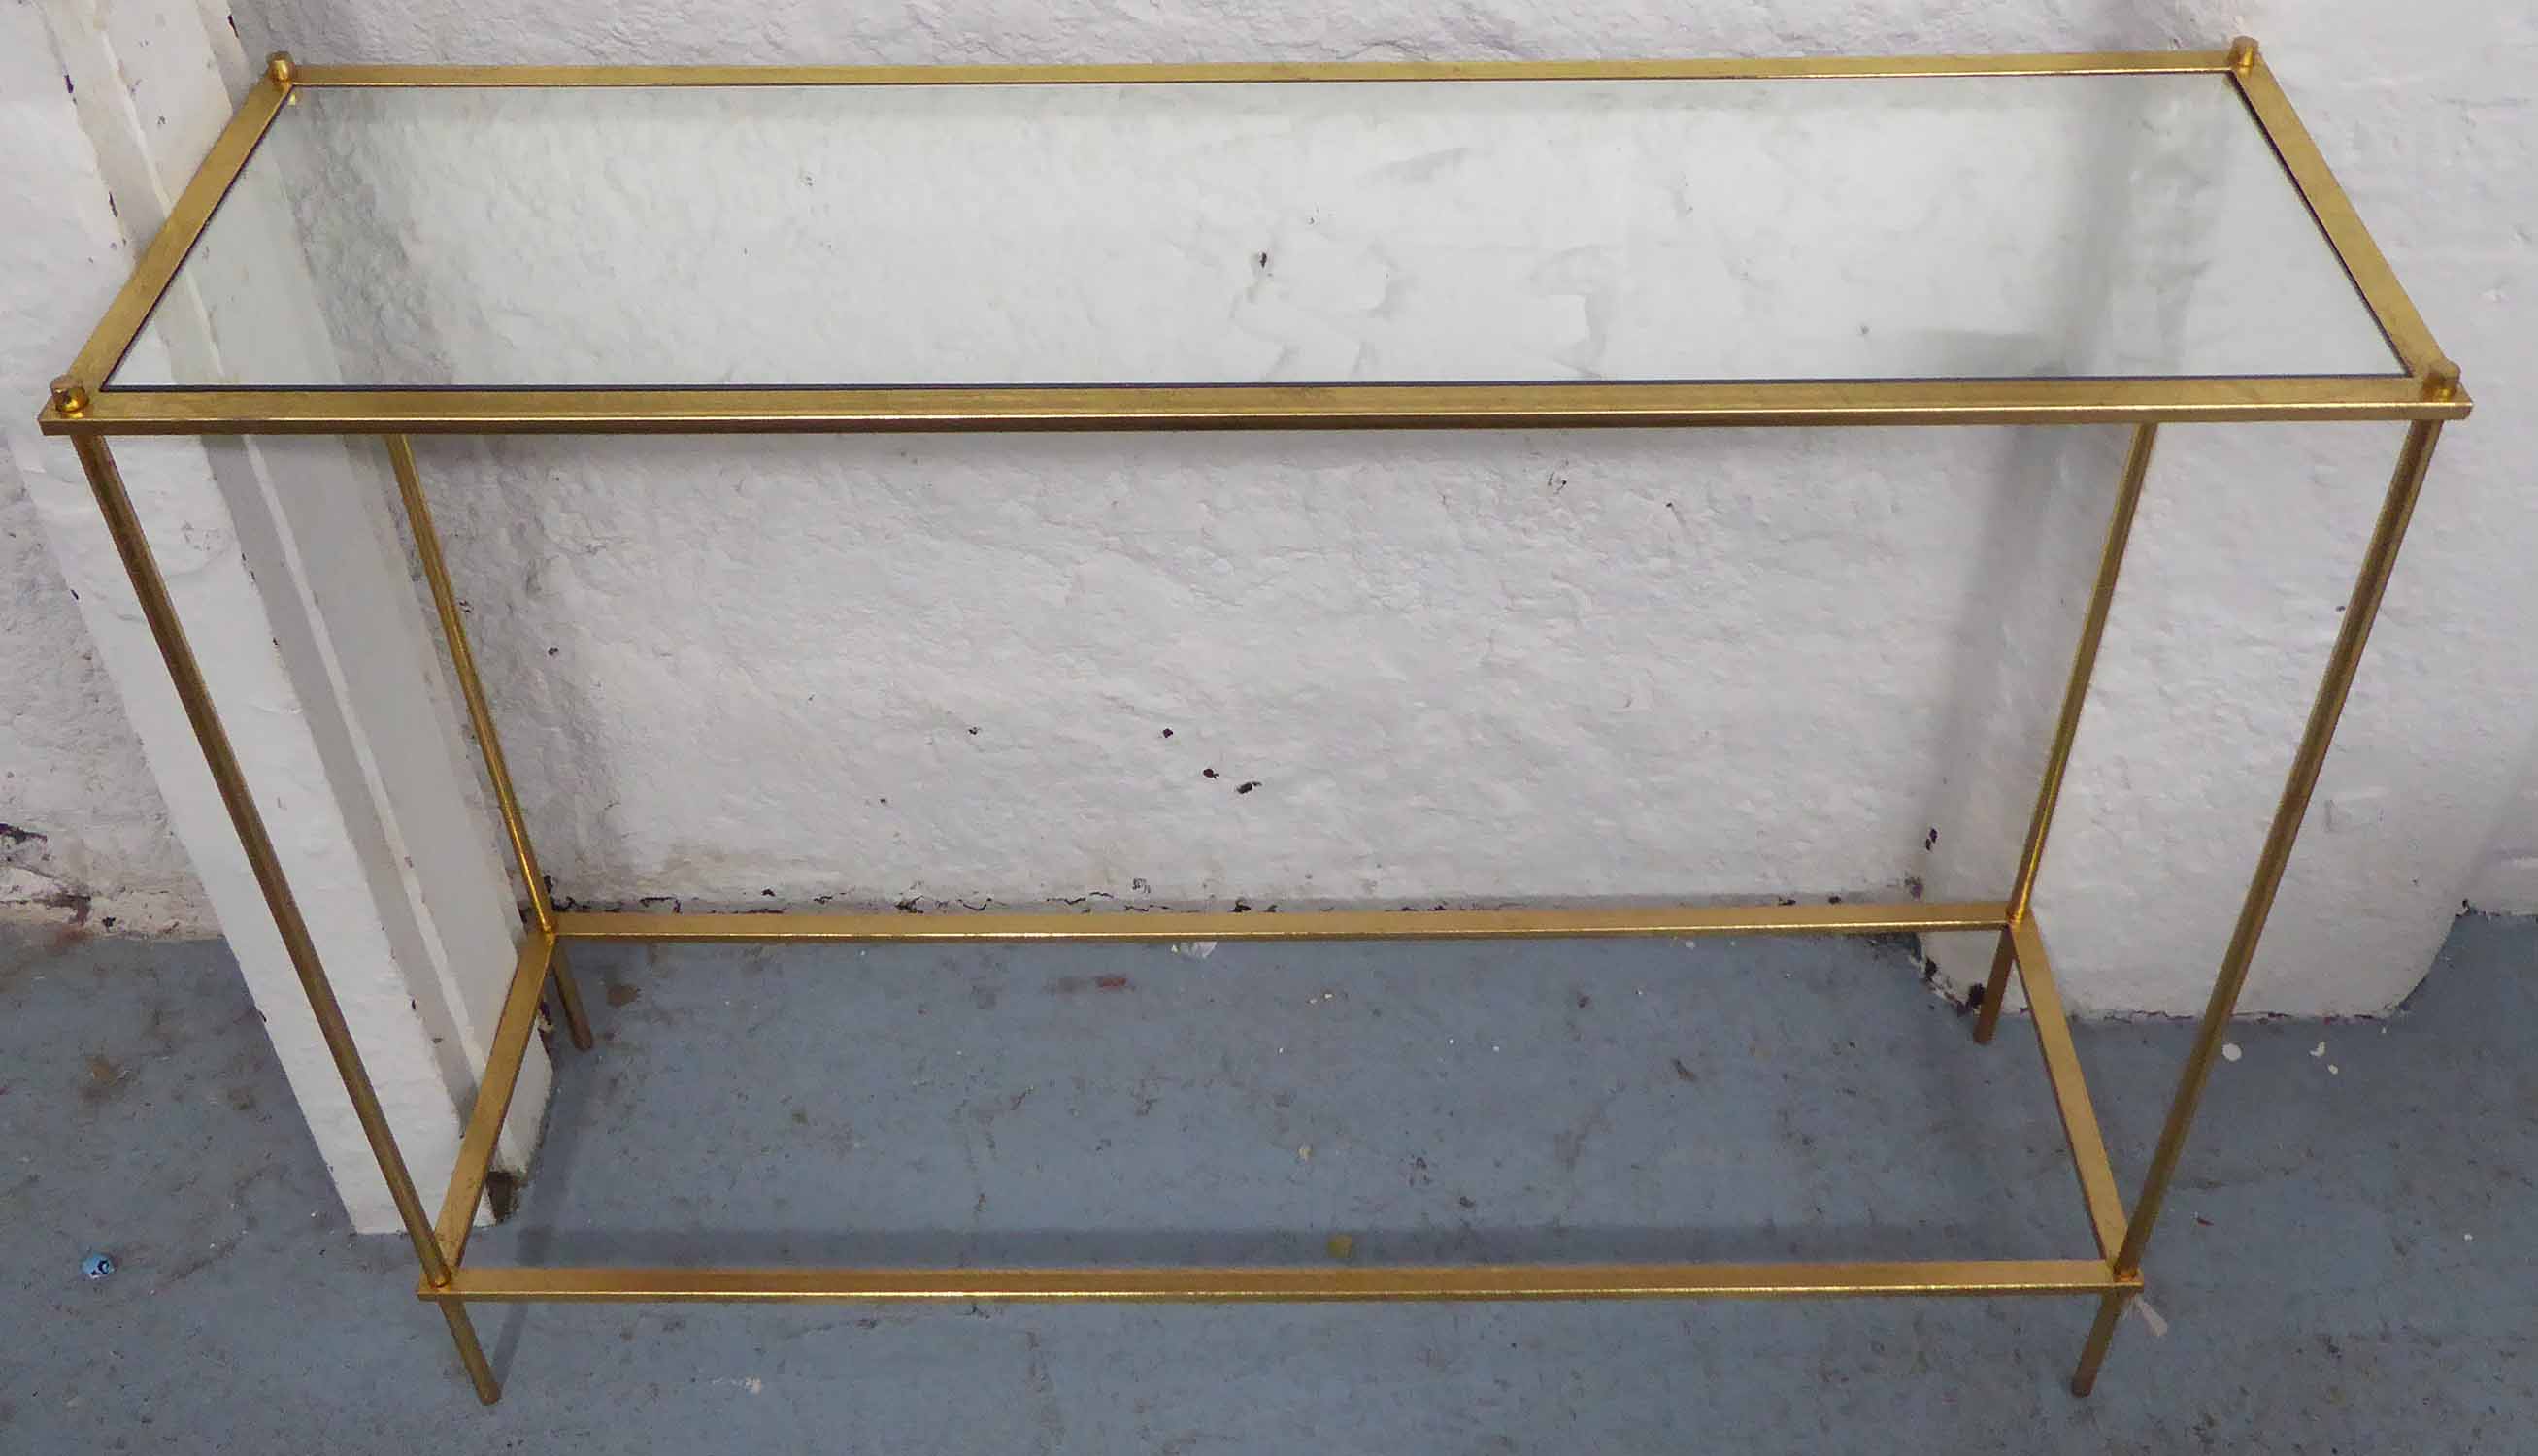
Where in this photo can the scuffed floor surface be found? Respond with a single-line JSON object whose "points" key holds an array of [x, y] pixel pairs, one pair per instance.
{"points": [[2346, 1266]]}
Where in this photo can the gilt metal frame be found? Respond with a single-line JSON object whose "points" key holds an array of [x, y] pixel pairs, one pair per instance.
{"points": [[2426, 394]]}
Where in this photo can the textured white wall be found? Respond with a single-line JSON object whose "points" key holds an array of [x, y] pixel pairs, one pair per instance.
{"points": [[84, 835], [2507, 874], [1543, 664]]}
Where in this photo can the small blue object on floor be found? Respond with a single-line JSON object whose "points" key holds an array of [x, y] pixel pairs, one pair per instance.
{"points": [[97, 1266]]}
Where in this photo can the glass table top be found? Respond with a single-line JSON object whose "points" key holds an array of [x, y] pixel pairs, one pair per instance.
{"points": [[1234, 232]]}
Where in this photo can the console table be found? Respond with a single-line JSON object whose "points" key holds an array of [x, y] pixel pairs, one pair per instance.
{"points": [[2127, 239]]}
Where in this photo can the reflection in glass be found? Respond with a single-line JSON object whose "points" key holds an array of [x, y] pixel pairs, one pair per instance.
{"points": [[1881, 228]]}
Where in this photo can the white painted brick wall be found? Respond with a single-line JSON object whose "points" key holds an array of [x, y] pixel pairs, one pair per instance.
{"points": [[1462, 666]]}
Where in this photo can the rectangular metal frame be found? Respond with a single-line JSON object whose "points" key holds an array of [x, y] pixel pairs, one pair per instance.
{"points": [[2422, 391], [87, 408]]}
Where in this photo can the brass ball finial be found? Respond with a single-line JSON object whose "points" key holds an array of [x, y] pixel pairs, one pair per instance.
{"points": [[278, 68], [2242, 54], [69, 397]]}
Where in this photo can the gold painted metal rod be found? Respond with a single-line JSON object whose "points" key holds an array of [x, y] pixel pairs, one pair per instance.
{"points": [[1272, 1283], [1135, 407], [1771, 68], [2379, 562], [1215, 925], [2101, 1335], [2084, 663], [2066, 726], [462, 661], [493, 1090], [112, 337], [471, 1355], [132, 543], [577, 1022], [2408, 335], [2079, 1130]]}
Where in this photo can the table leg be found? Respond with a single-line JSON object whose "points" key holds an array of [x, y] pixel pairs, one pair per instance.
{"points": [[480, 714], [2102, 1333], [568, 997], [132, 543], [479, 1370], [2066, 728], [2378, 562]]}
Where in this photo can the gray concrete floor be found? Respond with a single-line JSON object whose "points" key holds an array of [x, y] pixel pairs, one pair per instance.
{"points": [[2345, 1267]]}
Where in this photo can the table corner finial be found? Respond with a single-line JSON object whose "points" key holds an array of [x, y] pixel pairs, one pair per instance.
{"points": [[278, 68], [2442, 380], [2242, 54], [69, 396]]}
